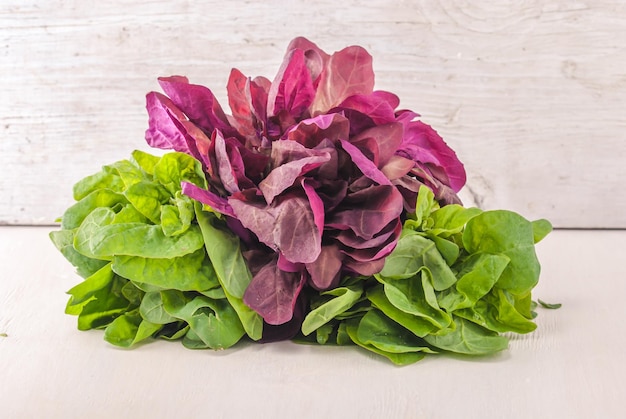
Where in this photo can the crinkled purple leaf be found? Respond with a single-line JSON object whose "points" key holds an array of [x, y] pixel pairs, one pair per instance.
{"points": [[284, 176], [259, 89], [348, 72], [367, 254], [203, 196], [365, 165], [396, 167], [378, 105], [197, 102], [168, 128], [162, 132], [325, 271], [350, 240], [272, 293], [273, 333], [408, 187], [288, 225], [292, 89], [240, 102], [316, 204], [225, 169], [311, 132], [364, 268], [388, 138], [332, 192], [285, 265], [368, 211], [316, 58], [423, 144], [368, 146]]}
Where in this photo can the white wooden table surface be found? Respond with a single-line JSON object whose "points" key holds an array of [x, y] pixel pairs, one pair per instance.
{"points": [[571, 367]]}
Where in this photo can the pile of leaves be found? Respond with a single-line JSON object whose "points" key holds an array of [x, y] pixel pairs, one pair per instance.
{"points": [[317, 212]]}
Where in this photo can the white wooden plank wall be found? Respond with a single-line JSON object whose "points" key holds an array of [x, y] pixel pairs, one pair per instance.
{"points": [[530, 93]]}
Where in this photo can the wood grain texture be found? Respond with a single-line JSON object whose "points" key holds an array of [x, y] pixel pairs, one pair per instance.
{"points": [[530, 94], [570, 367]]}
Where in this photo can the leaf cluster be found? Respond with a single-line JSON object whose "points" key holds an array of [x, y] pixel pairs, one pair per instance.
{"points": [[457, 280], [137, 242]]}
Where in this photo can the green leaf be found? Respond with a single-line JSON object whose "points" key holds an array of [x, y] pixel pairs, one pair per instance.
{"points": [[214, 322], [380, 331], [174, 168], [541, 228], [549, 305], [412, 253], [127, 171], [147, 198], [64, 242], [145, 161], [97, 181], [351, 328], [469, 338], [448, 249], [416, 296], [323, 333], [345, 297], [105, 305], [152, 310], [85, 291], [129, 329], [509, 234], [425, 205], [76, 214], [418, 325], [132, 293], [224, 250], [451, 219], [176, 219], [191, 272], [478, 274], [99, 239]]}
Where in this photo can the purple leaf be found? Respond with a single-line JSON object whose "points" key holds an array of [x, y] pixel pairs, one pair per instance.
{"points": [[325, 271], [272, 293], [388, 138], [311, 132], [365, 165], [162, 132], [317, 205], [378, 105], [348, 72], [284, 176], [197, 102], [287, 266], [292, 89], [288, 225], [225, 170], [349, 239], [423, 144], [364, 268], [397, 167], [316, 59], [381, 249], [368, 211], [240, 102], [273, 333], [216, 202]]}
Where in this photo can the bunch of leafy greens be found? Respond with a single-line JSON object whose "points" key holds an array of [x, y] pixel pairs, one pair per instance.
{"points": [[140, 245], [457, 279], [157, 264]]}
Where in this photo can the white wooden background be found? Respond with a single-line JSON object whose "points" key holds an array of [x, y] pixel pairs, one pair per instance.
{"points": [[530, 93]]}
